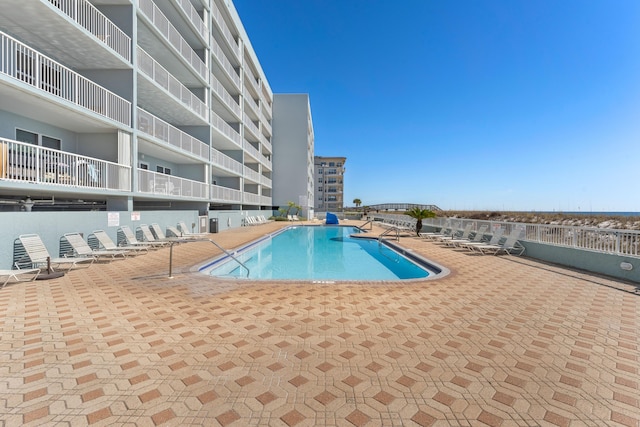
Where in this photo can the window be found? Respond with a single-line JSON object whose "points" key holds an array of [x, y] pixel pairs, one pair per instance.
{"points": [[332, 164], [49, 142], [162, 169], [144, 166], [26, 136]]}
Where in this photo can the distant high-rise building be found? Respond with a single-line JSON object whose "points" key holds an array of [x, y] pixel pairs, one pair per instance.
{"points": [[329, 181], [293, 145]]}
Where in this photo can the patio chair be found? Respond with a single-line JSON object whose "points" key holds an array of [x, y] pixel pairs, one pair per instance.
{"points": [[36, 252], [464, 234], [511, 245], [173, 232], [182, 227], [127, 237], [82, 248], [158, 234], [17, 275], [147, 236], [477, 237], [445, 230], [495, 239], [104, 242]]}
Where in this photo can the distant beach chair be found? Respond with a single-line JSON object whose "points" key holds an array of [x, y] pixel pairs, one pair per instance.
{"points": [[511, 245]]}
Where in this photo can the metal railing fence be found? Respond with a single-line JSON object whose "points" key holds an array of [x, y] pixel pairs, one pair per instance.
{"points": [[162, 184], [22, 162], [154, 126]]}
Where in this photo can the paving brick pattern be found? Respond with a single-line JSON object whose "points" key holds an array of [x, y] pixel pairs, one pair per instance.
{"points": [[501, 341]]}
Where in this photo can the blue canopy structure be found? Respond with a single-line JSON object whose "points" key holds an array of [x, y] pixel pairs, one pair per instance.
{"points": [[331, 219]]}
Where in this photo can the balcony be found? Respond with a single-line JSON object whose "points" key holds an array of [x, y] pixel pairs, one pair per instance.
{"points": [[224, 63], [251, 175], [177, 103], [173, 37], [251, 127], [160, 184], [163, 131], [22, 162], [223, 162], [29, 67], [224, 29], [224, 97], [232, 139], [194, 18], [221, 194], [55, 25]]}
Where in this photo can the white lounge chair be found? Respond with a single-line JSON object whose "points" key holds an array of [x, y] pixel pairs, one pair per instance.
{"points": [[127, 237], [182, 227], [495, 239], [104, 242], [38, 255], [464, 234], [446, 230], [159, 235], [476, 238], [82, 248], [18, 275], [511, 245], [173, 232], [148, 237]]}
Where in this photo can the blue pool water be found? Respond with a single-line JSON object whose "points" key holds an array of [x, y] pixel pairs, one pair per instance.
{"points": [[318, 253]]}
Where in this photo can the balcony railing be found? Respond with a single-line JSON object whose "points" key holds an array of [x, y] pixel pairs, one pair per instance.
{"points": [[224, 96], [618, 242], [219, 20], [250, 149], [251, 174], [30, 67], [152, 125], [194, 18], [224, 127], [168, 82], [225, 194], [250, 198], [224, 61], [265, 181], [173, 36], [91, 19], [22, 162], [248, 124], [225, 162], [168, 185]]}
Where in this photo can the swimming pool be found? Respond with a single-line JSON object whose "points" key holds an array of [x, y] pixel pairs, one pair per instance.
{"points": [[320, 253]]}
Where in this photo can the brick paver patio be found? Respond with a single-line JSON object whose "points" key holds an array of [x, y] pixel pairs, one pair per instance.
{"points": [[501, 341]]}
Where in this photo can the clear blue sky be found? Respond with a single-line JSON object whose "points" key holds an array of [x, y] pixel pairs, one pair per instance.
{"points": [[469, 105]]}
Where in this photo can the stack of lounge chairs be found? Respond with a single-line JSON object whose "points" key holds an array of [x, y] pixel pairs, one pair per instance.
{"points": [[476, 241], [258, 220]]}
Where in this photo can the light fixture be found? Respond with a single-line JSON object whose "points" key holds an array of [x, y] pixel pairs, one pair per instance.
{"points": [[627, 266]]}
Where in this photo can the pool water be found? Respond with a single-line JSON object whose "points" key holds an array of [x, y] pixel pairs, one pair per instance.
{"points": [[318, 253]]}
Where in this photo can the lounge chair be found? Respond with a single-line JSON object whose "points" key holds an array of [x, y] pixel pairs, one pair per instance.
{"points": [[495, 239], [464, 234], [173, 232], [82, 248], [147, 236], [511, 245], [17, 275], [182, 227], [36, 252], [445, 230], [477, 237], [126, 237], [159, 235], [104, 242]]}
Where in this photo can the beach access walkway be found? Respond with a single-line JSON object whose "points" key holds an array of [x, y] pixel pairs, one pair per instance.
{"points": [[501, 341]]}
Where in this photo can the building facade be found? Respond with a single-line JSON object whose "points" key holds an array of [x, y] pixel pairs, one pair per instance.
{"points": [[131, 105], [329, 180], [293, 148], [123, 112]]}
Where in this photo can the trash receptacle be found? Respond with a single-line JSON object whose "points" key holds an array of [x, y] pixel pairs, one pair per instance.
{"points": [[213, 225]]}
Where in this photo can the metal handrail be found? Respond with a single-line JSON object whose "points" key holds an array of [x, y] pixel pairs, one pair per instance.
{"points": [[229, 254], [388, 230], [370, 222]]}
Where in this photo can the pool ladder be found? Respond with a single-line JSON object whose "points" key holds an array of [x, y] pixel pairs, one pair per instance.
{"points": [[389, 231]]}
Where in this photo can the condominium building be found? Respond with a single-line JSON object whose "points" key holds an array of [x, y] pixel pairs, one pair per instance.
{"points": [[132, 106], [293, 148], [329, 179]]}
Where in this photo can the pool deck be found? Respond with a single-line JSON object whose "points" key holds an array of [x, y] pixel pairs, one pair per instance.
{"points": [[501, 341]]}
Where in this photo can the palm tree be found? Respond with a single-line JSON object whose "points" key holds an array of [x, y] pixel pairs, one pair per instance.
{"points": [[420, 214], [357, 202]]}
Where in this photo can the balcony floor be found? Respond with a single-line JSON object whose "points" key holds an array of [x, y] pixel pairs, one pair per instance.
{"points": [[501, 341]]}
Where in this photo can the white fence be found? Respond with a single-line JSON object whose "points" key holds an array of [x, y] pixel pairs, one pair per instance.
{"points": [[152, 125], [162, 184], [21, 162]]}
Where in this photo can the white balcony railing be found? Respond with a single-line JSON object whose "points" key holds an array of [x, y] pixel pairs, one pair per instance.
{"points": [[223, 127], [224, 96], [91, 19], [226, 64], [194, 18], [251, 174], [251, 199], [151, 68], [225, 162], [251, 150], [25, 64], [266, 201], [168, 185], [248, 124], [158, 128], [173, 36], [265, 181], [225, 194], [250, 101], [22, 162], [219, 20]]}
